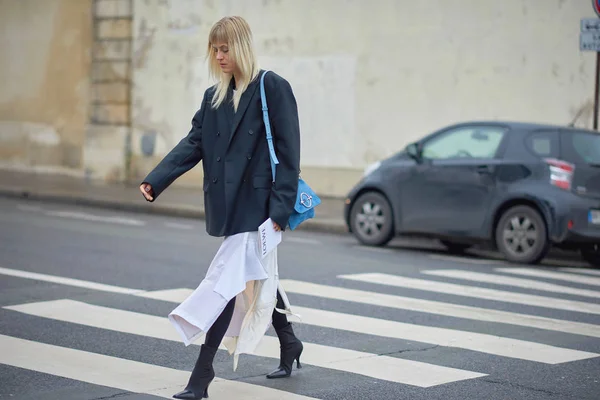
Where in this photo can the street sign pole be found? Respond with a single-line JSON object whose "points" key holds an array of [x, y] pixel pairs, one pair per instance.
{"points": [[596, 7], [589, 40], [596, 100]]}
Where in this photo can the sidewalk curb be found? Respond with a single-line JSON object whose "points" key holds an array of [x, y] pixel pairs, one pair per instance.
{"points": [[141, 207]]}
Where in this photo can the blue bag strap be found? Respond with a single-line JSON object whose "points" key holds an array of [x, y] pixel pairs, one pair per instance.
{"points": [[265, 109]]}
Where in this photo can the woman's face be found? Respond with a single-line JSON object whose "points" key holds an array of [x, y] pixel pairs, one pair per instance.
{"points": [[221, 51]]}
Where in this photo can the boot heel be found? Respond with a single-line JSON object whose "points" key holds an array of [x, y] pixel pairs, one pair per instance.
{"points": [[205, 395], [298, 365]]}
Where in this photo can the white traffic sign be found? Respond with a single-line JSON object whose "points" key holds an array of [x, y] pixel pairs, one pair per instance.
{"points": [[590, 25], [589, 41]]}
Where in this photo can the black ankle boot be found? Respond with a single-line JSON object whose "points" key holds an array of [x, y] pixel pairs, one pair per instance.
{"points": [[291, 349], [201, 377]]}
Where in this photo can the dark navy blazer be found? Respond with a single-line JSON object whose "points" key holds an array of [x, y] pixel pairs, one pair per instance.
{"points": [[239, 194]]}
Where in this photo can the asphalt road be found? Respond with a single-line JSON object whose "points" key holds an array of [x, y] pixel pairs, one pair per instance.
{"points": [[402, 322]]}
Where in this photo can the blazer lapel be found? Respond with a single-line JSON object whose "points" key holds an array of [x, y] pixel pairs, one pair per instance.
{"points": [[243, 106], [225, 111]]}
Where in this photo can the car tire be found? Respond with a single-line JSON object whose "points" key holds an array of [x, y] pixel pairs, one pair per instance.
{"points": [[455, 248], [521, 235], [371, 219], [591, 254]]}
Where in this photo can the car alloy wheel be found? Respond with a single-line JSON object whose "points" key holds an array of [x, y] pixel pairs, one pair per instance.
{"points": [[521, 235], [371, 219]]}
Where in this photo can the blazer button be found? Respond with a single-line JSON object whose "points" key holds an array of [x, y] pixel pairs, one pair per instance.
{"points": [[249, 157], [218, 133], [218, 159], [250, 132], [214, 180]]}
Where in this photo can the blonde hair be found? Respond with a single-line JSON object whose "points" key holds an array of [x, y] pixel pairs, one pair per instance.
{"points": [[236, 33]]}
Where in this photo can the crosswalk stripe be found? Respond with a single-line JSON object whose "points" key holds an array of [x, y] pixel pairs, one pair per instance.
{"points": [[379, 367], [586, 271], [541, 273], [68, 281], [440, 308], [96, 218], [301, 240], [530, 284], [506, 347], [132, 376], [475, 292], [490, 344], [170, 295]]}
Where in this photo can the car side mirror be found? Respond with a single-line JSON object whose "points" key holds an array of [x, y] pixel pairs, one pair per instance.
{"points": [[414, 151]]}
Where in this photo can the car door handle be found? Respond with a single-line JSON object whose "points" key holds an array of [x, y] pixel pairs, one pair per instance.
{"points": [[484, 169]]}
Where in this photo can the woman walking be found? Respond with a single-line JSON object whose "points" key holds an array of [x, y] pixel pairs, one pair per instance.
{"points": [[240, 296]]}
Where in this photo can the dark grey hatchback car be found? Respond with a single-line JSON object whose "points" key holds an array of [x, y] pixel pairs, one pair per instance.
{"points": [[520, 187]]}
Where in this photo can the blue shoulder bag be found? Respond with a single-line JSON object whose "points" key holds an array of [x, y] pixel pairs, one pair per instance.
{"points": [[306, 198]]}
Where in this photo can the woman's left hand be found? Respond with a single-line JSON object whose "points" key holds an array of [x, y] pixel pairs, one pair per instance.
{"points": [[276, 227]]}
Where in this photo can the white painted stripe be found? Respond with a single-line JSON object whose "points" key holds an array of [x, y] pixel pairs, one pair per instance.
{"points": [[96, 218], [544, 273], [300, 240], [467, 260], [435, 307], [68, 281], [170, 295], [132, 376], [530, 284], [587, 271], [505, 347], [179, 226], [443, 337], [475, 292], [373, 249], [28, 208], [357, 362]]}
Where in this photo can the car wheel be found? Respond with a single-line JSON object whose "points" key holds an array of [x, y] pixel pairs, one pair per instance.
{"points": [[591, 254], [371, 219], [521, 235], [455, 248]]}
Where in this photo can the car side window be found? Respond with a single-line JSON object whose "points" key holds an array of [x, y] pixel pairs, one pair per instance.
{"points": [[465, 142], [543, 143]]}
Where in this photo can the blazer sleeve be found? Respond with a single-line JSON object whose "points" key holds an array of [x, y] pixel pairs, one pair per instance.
{"points": [[183, 157], [283, 112]]}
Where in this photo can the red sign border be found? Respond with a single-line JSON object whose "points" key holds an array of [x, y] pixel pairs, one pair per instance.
{"points": [[596, 6]]}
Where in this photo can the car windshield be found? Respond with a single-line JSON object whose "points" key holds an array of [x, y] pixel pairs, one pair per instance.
{"points": [[582, 147]]}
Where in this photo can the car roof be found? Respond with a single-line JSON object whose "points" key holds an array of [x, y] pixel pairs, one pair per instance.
{"points": [[526, 126]]}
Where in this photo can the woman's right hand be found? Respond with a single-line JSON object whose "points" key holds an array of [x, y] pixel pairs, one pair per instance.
{"points": [[147, 191]]}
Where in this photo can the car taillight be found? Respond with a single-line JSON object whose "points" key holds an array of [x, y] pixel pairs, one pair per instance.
{"points": [[561, 173]]}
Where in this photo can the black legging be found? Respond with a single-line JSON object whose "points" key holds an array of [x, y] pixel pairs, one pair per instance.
{"points": [[279, 319], [215, 334]]}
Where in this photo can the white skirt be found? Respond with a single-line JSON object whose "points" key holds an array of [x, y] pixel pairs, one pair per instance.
{"points": [[237, 270]]}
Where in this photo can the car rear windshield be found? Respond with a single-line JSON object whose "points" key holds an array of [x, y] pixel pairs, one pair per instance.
{"points": [[581, 147]]}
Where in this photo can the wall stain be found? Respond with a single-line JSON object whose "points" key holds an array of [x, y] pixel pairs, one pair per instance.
{"points": [[144, 43], [62, 99]]}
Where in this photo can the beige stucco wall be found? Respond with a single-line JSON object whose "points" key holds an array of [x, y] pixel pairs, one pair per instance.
{"points": [[44, 70]]}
